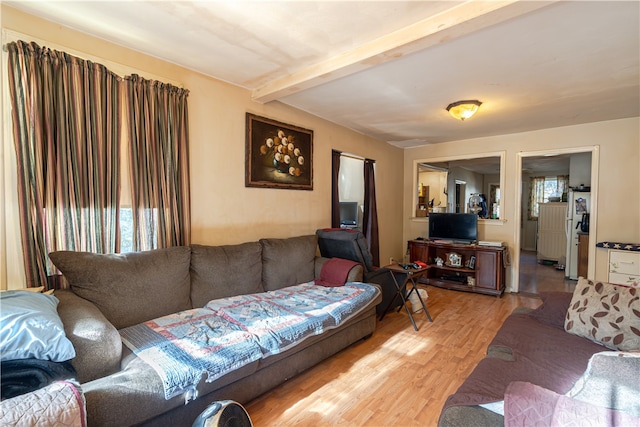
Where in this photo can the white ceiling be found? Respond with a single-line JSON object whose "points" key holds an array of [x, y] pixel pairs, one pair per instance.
{"points": [[388, 69]]}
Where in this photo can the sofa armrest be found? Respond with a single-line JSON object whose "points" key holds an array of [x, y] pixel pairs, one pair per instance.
{"points": [[96, 341], [355, 274]]}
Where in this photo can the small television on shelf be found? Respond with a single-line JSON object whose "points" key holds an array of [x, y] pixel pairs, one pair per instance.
{"points": [[348, 214], [454, 227]]}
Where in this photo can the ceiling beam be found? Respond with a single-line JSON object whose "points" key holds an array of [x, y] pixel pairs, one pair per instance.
{"points": [[460, 20]]}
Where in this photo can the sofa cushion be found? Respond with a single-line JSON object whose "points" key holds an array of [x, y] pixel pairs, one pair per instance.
{"points": [[130, 288], [605, 313], [288, 262], [542, 354], [536, 352], [224, 271]]}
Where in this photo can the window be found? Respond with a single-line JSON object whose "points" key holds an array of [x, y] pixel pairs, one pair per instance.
{"points": [[69, 186], [126, 230], [127, 234], [542, 189]]}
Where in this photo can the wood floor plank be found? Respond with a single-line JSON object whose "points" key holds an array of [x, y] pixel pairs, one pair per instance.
{"points": [[398, 377]]}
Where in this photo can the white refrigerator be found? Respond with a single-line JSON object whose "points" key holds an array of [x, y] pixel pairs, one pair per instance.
{"points": [[579, 204]]}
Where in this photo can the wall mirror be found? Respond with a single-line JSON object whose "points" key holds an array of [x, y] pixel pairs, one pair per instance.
{"points": [[448, 184]]}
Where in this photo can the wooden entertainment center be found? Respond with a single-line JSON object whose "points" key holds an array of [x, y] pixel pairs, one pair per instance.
{"points": [[463, 267]]}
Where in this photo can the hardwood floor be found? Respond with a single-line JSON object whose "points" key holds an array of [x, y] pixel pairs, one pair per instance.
{"points": [[535, 278], [398, 377]]}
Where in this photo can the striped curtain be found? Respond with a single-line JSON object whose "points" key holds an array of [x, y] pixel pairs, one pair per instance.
{"points": [[66, 129], [159, 163]]}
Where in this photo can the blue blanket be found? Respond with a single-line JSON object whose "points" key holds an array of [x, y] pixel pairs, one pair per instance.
{"points": [[183, 346], [281, 319], [232, 332]]}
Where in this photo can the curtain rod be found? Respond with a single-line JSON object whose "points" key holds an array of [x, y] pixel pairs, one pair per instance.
{"points": [[121, 70], [354, 156]]}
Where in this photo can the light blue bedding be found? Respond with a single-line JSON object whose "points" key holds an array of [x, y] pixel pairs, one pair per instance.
{"points": [[182, 346], [232, 332]]}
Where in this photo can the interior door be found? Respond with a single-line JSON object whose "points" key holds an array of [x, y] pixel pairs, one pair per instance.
{"points": [[460, 197]]}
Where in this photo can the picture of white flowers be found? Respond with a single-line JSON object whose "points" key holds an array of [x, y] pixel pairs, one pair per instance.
{"points": [[278, 155]]}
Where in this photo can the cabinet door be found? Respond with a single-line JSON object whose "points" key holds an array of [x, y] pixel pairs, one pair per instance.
{"points": [[418, 252], [488, 267]]}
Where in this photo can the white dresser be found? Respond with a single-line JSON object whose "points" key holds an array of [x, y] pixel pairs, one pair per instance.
{"points": [[624, 267]]}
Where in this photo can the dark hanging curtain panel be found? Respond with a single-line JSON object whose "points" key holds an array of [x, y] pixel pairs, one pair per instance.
{"points": [[66, 130], [335, 194], [370, 220], [159, 163]]}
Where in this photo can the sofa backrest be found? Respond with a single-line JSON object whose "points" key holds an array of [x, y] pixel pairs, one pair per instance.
{"points": [[224, 271], [130, 288], [135, 287], [288, 262]]}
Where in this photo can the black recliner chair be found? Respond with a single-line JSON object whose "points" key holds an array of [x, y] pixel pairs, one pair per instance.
{"points": [[352, 245]]}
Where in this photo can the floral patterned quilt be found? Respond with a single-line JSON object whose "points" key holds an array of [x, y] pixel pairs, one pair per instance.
{"points": [[233, 332]]}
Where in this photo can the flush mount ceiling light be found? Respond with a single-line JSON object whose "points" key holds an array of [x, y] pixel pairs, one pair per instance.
{"points": [[463, 109]]}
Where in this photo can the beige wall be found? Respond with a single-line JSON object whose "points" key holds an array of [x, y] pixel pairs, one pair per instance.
{"points": [[224, 211], [617, 153]]}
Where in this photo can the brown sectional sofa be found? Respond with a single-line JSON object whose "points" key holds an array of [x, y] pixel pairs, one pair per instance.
{"points": [[531, 356], [110, 292]]}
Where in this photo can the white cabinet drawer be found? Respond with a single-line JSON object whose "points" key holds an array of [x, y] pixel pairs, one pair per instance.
{"points": [[624, 262], [624, 279]]}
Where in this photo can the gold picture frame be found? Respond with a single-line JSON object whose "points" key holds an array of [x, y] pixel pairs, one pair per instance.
{"points": [[278, 155]]}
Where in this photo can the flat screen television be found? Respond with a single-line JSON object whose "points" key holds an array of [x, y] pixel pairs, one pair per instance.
{"points": [[457, 227], [348, 214]]}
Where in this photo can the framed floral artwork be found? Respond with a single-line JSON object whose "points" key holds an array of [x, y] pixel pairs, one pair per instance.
{"points": [[278, 155]]}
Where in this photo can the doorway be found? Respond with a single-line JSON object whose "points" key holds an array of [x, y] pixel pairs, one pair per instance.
{"points": [[461, 196], [351, 190], [538, 277], [529, 275]]}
